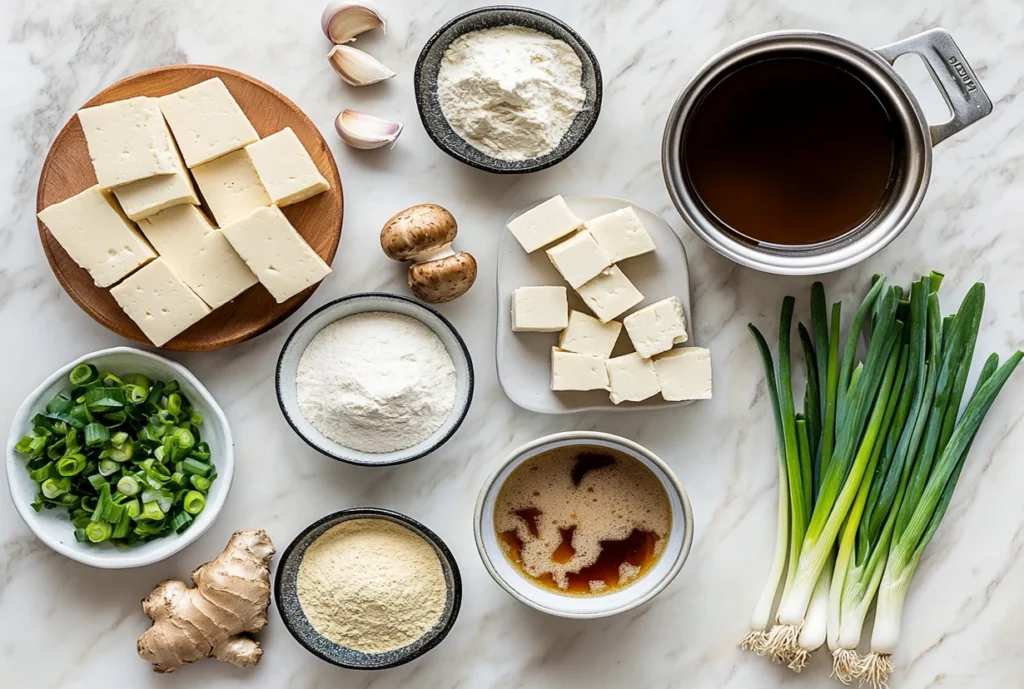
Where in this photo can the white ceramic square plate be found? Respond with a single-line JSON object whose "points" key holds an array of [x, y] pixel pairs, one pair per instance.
{"points": [[524, 359]]}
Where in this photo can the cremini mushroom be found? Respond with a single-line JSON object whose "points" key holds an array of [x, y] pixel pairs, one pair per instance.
{"points": [[424, 234]]}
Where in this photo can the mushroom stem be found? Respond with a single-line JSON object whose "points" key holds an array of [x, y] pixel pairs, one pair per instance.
{"points": [[434, 254]]}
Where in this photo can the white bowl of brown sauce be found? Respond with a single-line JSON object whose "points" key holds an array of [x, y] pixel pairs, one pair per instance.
{"points": [[583, 524]]}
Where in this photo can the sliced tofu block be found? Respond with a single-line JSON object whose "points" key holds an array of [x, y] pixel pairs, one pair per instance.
{"points": [[539, 309], [579, 259], [148, 196], [684, 374], [206, 121], [631, 378], [655, 328], [128, 141], [159, 302], [231, 187], [610, 294], [288, 173], [276, 253], [199, 254], [544, 224], [97, 235], [621, 234], [587, 335], [571, 371]]}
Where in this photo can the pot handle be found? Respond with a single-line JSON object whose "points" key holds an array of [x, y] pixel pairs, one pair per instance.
{"points": [[954, 77]]}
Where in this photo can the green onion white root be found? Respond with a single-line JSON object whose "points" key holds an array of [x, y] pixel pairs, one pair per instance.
{"points": [[867, 469]]}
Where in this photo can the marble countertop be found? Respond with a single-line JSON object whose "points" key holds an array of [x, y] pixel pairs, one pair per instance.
{"points": [[66, 625]]}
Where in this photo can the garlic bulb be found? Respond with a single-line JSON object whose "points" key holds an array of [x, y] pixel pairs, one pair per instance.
{"points": [[356, 67], [343, 21], [363, 131]]}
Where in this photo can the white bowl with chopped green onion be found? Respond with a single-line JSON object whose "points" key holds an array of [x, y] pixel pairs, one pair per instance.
{"points": [[119, 470]]}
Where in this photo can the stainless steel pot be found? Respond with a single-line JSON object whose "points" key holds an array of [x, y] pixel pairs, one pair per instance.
{"points": [[951, 73]]}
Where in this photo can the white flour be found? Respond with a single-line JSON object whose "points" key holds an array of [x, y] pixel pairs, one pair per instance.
{"points": [[376, 382], [510, 91]]}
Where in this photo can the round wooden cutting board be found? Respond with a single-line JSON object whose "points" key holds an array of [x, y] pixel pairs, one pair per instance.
{"points": [[68, 171]]}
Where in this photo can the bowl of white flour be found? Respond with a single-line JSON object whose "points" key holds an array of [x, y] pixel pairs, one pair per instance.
{"points": [[375, 379], [508, 89]]}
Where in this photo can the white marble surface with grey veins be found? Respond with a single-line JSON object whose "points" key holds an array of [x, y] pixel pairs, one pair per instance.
{"points": [[66, 625]]}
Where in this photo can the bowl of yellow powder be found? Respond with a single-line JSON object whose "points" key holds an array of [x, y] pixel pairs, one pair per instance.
{"points": [[368, 589]]}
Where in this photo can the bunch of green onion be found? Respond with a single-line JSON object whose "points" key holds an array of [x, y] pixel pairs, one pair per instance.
{"points": [[867, 470], [122, 455]]}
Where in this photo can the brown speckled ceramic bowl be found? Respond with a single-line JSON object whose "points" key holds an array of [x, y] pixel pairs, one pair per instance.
{"points": [[287, 598], [429, 64]]}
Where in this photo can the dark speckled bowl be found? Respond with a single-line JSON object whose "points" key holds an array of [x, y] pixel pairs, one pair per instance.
{"points": [[429, 64], [286, 595]]}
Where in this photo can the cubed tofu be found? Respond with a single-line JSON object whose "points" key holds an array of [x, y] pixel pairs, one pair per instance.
{"points": [[288, 173], [684, 374], [148, 196], [544, 224], [621, 234], [539, 309], [159, 302], [610, 294], [198, 253], [206, 121], [579, 259], [128, 141], [655, 328], [631, 378], [97, 235], [571, 371], [231, 187], [587, 335], [276, 253]]}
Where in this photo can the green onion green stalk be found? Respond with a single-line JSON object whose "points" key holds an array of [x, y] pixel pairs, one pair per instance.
{"points": [[868, 468], [118, 453]]}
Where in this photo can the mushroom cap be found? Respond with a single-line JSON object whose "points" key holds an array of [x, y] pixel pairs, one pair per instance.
{"points": [[420, 229], [444, 279]]}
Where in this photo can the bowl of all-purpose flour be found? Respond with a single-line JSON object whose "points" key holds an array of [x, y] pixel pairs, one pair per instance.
{"points": [[375, 379], [508, 89]]}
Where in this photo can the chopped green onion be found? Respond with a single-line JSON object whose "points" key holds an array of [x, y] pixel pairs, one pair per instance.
{"points": [[200, 483], [97, 532], [97, 481], [96, 434], [54, 487], [151, 511], [133, 509], [137, 379], [82, 374], [136, 394], [119, 438], [193, 466], [128, 485], [108, 467], [181, 521], [44, 472], [121, 453], [194, 502]]}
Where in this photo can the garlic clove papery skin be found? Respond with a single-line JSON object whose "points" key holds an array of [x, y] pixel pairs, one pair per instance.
{"points": [[356, 67], [343, 21], [366, 132]]}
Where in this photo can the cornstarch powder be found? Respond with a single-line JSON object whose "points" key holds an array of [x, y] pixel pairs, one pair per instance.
{"points": [[376, 382], [371, 585], [510, 91]]}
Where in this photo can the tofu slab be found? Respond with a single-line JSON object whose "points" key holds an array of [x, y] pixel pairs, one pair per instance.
{"points": [[587, 335], [206, 121], [684, 374], [231, 187], [656, 328], [621, 234], [159, 302], [544, 224], [631, 378], [276, 253], [610, 294], [579, 259], [148, 196], [128, 141], [571, 371], [287, 172], [539, 309], [199, 254], [97, 235]]}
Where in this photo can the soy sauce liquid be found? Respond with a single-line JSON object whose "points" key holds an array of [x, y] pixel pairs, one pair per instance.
{"points": [[791, 150]]}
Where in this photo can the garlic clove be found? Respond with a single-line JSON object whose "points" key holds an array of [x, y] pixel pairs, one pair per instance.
{"points": [[343, 21], [356, 67], [363, 131]]}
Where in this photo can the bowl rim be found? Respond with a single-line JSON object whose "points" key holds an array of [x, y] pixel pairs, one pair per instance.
{"points": [[172, 544], [470, 379], [525, 166], [374, 513], [680, 557]]}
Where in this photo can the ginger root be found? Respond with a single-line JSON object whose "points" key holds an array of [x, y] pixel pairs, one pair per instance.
{"points": [[229, 600]]}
